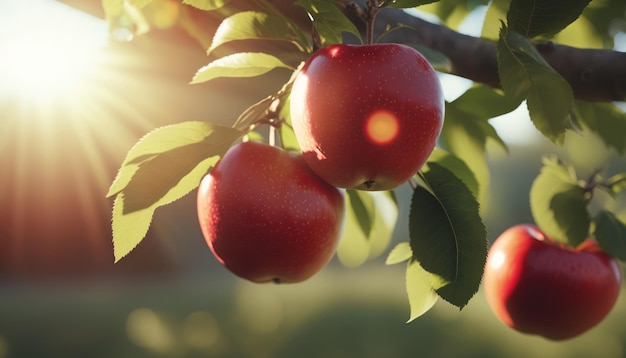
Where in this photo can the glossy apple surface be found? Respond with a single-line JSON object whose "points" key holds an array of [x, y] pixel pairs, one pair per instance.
{"points": [[267, 217], [366, 117], [537, 286]]}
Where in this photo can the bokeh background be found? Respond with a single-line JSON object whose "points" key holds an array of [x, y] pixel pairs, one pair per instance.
{"points": [[73, 101]]}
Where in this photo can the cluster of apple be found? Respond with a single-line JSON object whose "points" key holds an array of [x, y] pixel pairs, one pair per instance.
{"points": [[366, 117]]}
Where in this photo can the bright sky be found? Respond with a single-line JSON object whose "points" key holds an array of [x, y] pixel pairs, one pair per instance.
{"points": [[45, 47]]}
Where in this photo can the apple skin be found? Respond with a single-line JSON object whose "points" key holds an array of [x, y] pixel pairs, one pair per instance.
{"points": [[366, 116], [267, 217], [538, 286]]}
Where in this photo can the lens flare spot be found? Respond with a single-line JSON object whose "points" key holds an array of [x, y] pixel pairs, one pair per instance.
{"points": [[497, 260], [382, 126]]}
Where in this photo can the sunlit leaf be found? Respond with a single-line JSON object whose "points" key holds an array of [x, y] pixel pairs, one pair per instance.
{"points": [[362, 206], [287, 135], [162, 174], [162, 167], [400, 253], [139, 3], [606, 120], [355, 247], [558, 204], [447, 235], [328, 20], [532, 18], [162, 140], [468, 143], [131, 226], [244, 64], [206, 5], [611, 234], [617, 183], [493, 18], [128, 229], [421, 295], [524, 74], [251, 25], [456, 166], [405, 4]]}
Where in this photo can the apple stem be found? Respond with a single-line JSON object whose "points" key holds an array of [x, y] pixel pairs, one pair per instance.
{"points": [[369, 16]]}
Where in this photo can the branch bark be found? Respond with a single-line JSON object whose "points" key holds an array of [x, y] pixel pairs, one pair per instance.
{"points": [[594, 74]]}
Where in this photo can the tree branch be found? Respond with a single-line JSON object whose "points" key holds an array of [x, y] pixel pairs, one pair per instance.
{"points": [[594, 74]]}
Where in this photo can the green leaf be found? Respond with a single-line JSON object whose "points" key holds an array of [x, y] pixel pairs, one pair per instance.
{"points": [[206, 5], [251, 25], [438, 60], [400, 253], [447, 235], [606, 120], [558, 204], [524, 74], [244, 64], [484, 102], [467, 143], [405, 4], [362, 206], [162, 140], [421, 295], [328, 20], [287, 136], [611, 234], [456, 166], [139, 3], [164, 166], [355, 247], [162, 174], [128, 229], [130, 222], [533, 18], [617, 183]]}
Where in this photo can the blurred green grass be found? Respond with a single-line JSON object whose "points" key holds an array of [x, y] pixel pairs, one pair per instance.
{"points": [[338, 313]]}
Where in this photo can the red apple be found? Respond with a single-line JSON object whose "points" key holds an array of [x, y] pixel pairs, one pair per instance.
{"points": [[267, 217], [366, 117], [538, 286]]}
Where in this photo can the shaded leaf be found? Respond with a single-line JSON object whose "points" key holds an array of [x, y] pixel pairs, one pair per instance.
{"points": [[524, 74], [421, 295], [244, 64], [611, 234], [251, 25], [329, 21], [400, 253], [438, 60], [558, 204], [206, 5], [447, 235], [533, 18], [606, 120]]}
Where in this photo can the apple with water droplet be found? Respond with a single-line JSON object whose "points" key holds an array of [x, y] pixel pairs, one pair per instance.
{"points": [[267, 217], [538, 286], [366, 116]]}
